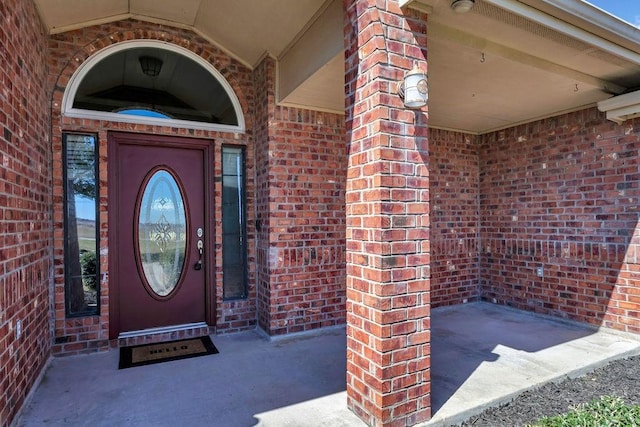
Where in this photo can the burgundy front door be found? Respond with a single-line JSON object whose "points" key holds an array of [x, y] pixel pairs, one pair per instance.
{"points": [[157, 232]]}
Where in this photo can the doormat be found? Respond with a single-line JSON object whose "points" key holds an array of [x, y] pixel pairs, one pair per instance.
{"points": [[148, 354]]}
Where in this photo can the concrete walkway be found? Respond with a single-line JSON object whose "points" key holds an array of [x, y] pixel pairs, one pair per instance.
{"points": [[482, 355]]}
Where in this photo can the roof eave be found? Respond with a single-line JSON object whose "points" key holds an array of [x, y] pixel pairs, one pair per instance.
{"points": [[592, 19]]}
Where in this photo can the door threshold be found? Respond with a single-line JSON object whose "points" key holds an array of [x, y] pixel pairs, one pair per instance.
{"points": [[162, 330]]}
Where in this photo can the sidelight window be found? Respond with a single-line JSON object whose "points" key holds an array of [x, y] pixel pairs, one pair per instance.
{"points": [[82, 240], [234, 234]]}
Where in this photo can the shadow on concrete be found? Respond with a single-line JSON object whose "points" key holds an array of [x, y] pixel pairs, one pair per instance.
{"points": [[484, 355], [243, 385]]}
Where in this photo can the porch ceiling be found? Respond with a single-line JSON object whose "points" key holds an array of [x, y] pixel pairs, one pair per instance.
{"points": [[504, 62]]}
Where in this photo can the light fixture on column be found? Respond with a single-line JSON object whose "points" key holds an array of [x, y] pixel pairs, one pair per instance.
{"points": [[150, 66], [413, 88], [462, 6]]}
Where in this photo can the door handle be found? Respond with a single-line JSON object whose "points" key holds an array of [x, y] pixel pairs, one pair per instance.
{"points": [[200, 245]]}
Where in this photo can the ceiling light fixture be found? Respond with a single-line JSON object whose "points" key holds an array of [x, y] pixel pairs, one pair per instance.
{"points": [[150, 66], [462, 6]]}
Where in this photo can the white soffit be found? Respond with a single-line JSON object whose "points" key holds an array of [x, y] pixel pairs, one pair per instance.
{"points": [[323, 90], [506, 62], [566, 28], [63, 15], [314, 49], [592, 19], [477, 92], [253, 28], [622, 107], [246, 29], [183, 12]]}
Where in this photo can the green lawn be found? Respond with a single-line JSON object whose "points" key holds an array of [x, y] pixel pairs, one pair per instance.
{"points": [[608, 411]]}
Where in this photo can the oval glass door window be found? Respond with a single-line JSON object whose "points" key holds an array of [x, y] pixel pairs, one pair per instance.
{"points": [[162, 233]]}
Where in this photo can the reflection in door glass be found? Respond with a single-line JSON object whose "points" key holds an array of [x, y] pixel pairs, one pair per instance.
{"points": [[162, 233]]}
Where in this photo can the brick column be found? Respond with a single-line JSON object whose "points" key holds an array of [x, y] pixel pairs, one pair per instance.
{"points": [[388, 305]]}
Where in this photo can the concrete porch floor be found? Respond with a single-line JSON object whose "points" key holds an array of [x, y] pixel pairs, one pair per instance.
{"points": [[483, 355]]}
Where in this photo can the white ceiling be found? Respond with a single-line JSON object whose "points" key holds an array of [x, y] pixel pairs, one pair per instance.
{"points": [[245, 28], [494, 67], [504, 62]]}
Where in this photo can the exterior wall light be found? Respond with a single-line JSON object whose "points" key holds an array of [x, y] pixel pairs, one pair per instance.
{"points": [[462, 6], [413, 89]]}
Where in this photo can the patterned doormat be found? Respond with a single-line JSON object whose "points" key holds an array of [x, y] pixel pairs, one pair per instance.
{"points": [[148, 354]]}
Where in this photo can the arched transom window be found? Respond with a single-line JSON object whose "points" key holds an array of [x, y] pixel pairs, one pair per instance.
{"points": [[153, 83]]}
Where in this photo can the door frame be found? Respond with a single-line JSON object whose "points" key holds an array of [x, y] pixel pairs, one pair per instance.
{"points": [[114, 140]]}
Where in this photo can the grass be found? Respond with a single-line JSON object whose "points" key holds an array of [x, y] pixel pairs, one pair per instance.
{"points": [[608, 411]]}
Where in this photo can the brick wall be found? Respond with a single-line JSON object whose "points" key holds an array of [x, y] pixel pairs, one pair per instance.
{"points": [[25, 205], [563, 194], [67, 51], [301, 163], [454, 174], [265, 104]]}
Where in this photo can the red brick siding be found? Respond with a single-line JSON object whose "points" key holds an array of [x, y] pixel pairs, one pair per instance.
{"points": [[454, 187], [25, 205], [301, 170], [563, 194], [67, 51], [264, 74], [388, 224]]}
